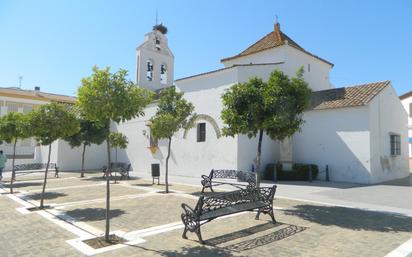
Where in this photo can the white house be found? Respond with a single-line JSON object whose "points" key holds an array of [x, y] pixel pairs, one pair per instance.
{"points": [[14, 99], [359, 131], [406, 100]]}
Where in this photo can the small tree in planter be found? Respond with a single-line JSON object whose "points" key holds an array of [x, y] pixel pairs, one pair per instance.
{"points": [[173, 113], [14, 126], [49, 123], [274, 108], [106, 97], [90, 133]]}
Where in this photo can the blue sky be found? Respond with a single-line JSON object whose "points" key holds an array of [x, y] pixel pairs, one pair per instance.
{"points": [[53, 44]]}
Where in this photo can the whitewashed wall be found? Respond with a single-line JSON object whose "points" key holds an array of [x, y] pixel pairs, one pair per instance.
{"points": [[247, 152], [70, 159], [317, 77], [338, 138], [406, 102], [387, 116]]}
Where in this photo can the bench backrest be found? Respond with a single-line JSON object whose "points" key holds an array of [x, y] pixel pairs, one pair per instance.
{"points": [[217, 201], [122, 165], [34, 166], [244, 176]]}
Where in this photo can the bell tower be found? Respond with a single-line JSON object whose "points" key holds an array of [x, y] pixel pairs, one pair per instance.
{"points": [[154, 59]]}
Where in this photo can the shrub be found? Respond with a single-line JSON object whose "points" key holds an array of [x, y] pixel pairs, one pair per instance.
{"points": [[299, 172]]}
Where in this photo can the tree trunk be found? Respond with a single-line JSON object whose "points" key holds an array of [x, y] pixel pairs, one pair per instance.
{"points": [[167, 166], [45, 180], [259, 151], [106, 235], [84, 151], [13, 172]]}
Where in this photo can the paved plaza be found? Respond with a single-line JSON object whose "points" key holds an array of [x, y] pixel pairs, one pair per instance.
{"points": [[143, 214]]}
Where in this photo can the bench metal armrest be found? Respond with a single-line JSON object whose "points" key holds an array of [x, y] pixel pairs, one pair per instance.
{"points": [[206, 180], [190, 218]]}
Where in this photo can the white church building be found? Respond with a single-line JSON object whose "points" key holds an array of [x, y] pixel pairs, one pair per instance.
{"points": [[360, 132]]}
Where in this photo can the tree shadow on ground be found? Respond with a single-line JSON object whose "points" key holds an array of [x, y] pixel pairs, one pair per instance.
{"points": [[205, 193], [354, 219], [93, 214], [47, 195], [101, 178], [199, 251], [23, 184]]}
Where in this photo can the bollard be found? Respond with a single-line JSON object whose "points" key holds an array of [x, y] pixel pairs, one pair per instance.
{"points": [[327, 172], [310, 173]]}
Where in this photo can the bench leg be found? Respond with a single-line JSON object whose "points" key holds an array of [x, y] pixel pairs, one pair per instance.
{"points": [[257, 215], [184, 233], [199, 235], [272, 215]]}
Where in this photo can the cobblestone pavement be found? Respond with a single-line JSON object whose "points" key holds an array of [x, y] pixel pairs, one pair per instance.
{"points": [[303, 229]]}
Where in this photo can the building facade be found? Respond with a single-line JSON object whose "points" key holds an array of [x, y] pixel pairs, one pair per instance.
{"points": [[14, 99], [359, 131], [406, 100]]}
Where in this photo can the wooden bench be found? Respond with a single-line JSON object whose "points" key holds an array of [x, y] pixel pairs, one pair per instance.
{"points": [[222, 204], [35, 167], [121, 167], [221, 177]]}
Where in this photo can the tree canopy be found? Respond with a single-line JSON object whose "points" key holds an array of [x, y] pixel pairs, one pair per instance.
{"points": [[51, 122], [106, 96], [13, 126], [173, 113]]}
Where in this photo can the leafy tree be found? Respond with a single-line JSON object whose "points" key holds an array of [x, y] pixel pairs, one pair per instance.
{"points": [[14, 126], [274, 108], [173, 113], [106, 97], [90, 133], [49, 123]]}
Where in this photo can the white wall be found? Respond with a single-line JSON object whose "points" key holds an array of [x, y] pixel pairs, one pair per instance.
{"points": [[387, 116], [406, 102], [317, 77], [247, 152], [70, 159], [338, 138], [273, 55], [188, 157]]}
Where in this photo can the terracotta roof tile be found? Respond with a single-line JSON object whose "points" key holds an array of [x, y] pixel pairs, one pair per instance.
{"points": [[358, 95], [406, 95], [275, 38], [35, 95]]}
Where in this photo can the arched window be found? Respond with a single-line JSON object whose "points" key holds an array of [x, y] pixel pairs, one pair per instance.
{"points": [[149, 70], [163, 74]]}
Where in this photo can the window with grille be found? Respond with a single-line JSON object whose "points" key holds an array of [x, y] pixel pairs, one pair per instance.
{"points": [[201, 132], [395, 145]]}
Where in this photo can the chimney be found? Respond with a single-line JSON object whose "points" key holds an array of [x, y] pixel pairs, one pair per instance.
{"points": [[278, 34], [37, 89]]}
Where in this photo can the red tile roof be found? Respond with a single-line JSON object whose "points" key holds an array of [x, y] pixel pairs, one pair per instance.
{"points": [[406, 95], [352, 96], [273, 39]]}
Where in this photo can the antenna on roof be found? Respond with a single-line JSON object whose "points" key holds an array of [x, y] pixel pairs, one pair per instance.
{"points": [[276, 16], [20, 79]]}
